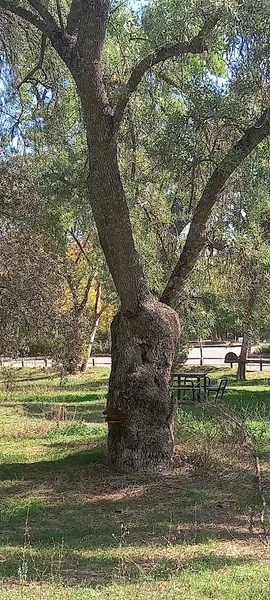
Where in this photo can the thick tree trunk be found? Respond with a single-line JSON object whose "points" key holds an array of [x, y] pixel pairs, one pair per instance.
{"points": [[140, 408], [107, 195], [144, 334], [241, 372]]}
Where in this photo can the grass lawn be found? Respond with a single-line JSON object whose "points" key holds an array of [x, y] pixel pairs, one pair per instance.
{"points": [[71, 529]]}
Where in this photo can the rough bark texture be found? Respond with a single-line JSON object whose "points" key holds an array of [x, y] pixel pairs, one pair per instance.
{"points": [[140, 408], [145, 333], [108, 200]]}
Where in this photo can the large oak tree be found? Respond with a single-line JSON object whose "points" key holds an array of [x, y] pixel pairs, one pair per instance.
{"points": [[145, 331]]}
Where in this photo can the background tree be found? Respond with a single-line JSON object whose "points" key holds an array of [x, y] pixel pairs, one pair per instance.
{"points": [[28, 282], [51, 282], [237, 259], [88, 298]]}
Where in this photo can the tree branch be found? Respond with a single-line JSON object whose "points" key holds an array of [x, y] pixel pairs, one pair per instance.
{"points": [[73, 291], [103, 310], [27, 15], [133, 146], [39, 64], [85, 296], [80, 246], [81, 250], [196, 236], [167, 78], [156, 230], [45, 15], [197, 45], [73, 17], [60, 17], [97, 299], [46, 24], [92, 21]]}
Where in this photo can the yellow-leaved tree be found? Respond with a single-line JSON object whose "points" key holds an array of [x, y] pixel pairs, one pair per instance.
{"points": [[87, 304]]}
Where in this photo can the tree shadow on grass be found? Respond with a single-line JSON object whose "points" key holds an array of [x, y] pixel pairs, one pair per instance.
{"points": [[83, 493], [89, 517], [251, 402], [95, 569], [93, 385], [40, 377], [103, 522], [33, 471], [79, 412], [90, 508], [253, 382]]}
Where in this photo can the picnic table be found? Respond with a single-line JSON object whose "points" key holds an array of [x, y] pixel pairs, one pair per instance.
{"points": [[197, 385], [189, 382]]}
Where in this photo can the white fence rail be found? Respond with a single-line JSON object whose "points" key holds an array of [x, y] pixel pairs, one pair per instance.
{"points": [[210, 355]]}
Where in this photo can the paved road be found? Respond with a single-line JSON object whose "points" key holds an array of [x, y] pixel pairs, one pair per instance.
{"points": [[212, 356]]}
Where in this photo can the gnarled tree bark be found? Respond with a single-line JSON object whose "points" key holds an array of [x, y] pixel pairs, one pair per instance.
{"points": [[140, 407]]}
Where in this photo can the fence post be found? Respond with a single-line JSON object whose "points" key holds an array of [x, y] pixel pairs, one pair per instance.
{"points": [[93, 362], [261, 365], [201, 354]]}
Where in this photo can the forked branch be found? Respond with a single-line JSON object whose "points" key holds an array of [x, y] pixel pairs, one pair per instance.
{"points": [[196, 45], [42, 19], [73, 290], [27, 15], [80, 246], [45, 14], [85, 295], [39, 64]]}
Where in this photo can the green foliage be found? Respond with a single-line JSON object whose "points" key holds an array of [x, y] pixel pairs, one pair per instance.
{"points": [[263, 349], [36, 263], [185, 116]]}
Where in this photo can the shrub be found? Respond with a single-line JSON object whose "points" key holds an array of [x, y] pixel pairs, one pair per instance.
{"points": [[263, 349]]}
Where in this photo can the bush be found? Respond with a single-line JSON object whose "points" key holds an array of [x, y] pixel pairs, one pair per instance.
{"points": [[263, 349], [102, 343]]}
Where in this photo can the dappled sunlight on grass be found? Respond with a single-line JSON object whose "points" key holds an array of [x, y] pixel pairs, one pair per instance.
{"points": [[67, 521], [199, 579]]}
